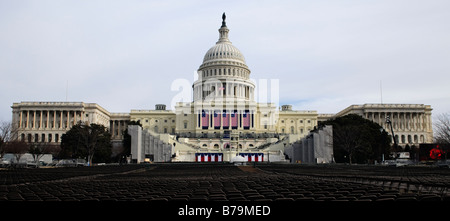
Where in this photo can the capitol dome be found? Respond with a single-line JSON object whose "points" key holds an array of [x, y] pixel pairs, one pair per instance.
{"points": [[223, 72], [223, 52]]}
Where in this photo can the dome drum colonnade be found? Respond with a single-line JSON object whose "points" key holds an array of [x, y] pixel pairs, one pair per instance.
{"points": [[224, 94]]}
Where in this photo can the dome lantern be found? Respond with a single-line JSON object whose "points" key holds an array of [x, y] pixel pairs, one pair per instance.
{"points": [[223, 31]]}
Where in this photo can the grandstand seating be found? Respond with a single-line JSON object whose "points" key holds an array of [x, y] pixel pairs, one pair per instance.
{"points": [[225, 182]]}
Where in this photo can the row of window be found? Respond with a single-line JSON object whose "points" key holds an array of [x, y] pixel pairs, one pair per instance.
{"points": [[405, 139], [216, 146], [43, 138], [225, 71], [156, 121], [283, 130], [301, 121]]}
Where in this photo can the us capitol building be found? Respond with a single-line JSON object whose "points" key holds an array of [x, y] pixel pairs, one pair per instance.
{"points": [[222, 117]]}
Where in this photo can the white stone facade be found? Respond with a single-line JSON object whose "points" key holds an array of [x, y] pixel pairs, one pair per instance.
{"points": [[411, 122], [48, 121]]}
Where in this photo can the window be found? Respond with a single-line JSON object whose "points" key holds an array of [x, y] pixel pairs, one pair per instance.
{"points": [[185, 125]]}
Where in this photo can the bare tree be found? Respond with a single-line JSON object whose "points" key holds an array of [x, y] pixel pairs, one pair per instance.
{"points": [[442, 129], [17, 148], [7, 134], [38, 150]]}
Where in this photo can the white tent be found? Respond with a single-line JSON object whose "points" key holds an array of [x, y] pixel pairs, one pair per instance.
{"points": [[238, 160]]}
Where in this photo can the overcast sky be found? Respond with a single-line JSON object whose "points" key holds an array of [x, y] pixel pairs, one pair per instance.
{"points": [[327, 55]]}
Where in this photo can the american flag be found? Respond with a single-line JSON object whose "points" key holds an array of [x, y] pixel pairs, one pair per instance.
{"points": [[216, 119], [226, 119], [246, 119], [234, 119], [205, 119]]}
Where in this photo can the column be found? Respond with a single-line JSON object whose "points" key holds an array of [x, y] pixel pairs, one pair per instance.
{"points": [[54, 120], [48, 119], [408, 122], [28, 117], [34, 119], [405, 122], [197, 117], [67, 120], [416, 122], [379, 117], [60, 119], [40, 119], [120, 129], [221, 119], [210, 117], [229, 120], [20, 119], [240, 126], [113, 128], [397, 123], [216, 90], [252, 123], [421, 122]]}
